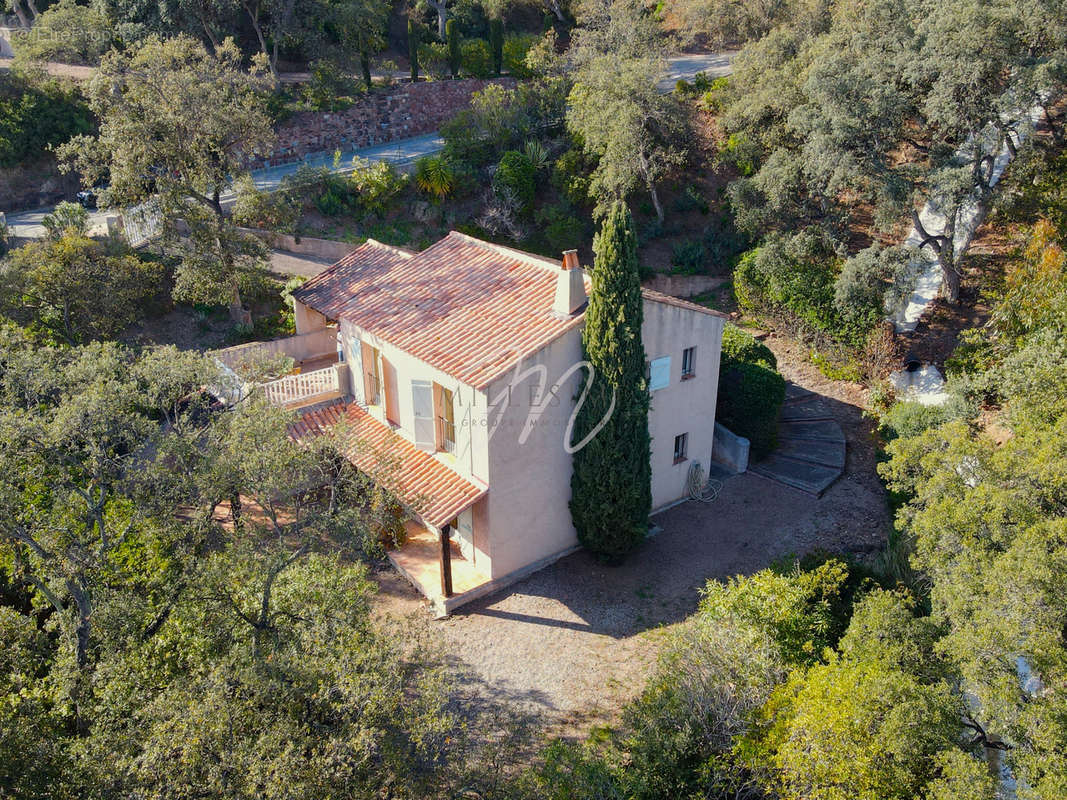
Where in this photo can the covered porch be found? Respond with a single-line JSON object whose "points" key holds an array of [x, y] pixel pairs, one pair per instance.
{"points": [[434, 496]]}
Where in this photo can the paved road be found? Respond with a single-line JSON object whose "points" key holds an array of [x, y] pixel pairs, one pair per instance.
{"points": [[27, 224]]}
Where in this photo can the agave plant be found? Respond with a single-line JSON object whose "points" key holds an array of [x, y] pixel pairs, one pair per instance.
{"points": [[537, 153]]}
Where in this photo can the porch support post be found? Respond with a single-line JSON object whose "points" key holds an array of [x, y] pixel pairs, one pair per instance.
{"points": [[446, 561]]}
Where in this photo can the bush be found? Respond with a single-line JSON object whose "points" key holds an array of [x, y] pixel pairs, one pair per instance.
{"points": [[477, 60], [68, 33], [723, 243], [516, 47], [739, 347], [795, 276], [272, 211], [562, 228], [66, 218], [861, 286], [571, 175], [751, 391], [910, 418], [516, 174], [35, 116], [433, 58], [750, 400], [377, 184], [329, 89], [689, 257]]}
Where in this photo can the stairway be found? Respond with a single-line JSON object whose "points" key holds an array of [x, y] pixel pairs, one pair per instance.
{"points": [[811, 447]]}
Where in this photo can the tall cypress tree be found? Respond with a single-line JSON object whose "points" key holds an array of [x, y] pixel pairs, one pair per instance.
{"points": [[413, 50], [611, 491], [496, 43], [454, 52]]}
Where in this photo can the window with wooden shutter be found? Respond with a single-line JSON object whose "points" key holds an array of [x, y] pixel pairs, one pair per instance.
{"points": [[372, 378], [422, 403]]}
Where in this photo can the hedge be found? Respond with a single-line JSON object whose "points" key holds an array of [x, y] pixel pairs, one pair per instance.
{"points": [[751, 391]]}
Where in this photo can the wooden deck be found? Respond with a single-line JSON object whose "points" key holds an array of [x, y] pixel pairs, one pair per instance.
{"points": [[419, 560]]}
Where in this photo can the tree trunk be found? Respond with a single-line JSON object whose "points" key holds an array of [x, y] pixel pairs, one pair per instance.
{"points": [[253, 16], [24, 21], [33, 9], [553, 6], [946, 256], [656, 203], [441, 8], [364, 64]]}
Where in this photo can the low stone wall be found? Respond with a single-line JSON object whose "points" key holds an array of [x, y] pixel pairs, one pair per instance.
{"points": [[683, 285], [382, 116], [35, 185]]}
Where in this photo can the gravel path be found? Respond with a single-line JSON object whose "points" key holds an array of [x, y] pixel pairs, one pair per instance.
{"points": [[574, 642]]}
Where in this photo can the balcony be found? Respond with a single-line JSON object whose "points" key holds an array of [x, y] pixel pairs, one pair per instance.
{"points": [[304, 388]]}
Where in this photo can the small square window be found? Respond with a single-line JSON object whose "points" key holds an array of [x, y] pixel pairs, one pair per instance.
{"points": [[688, 362], [681, 447]]}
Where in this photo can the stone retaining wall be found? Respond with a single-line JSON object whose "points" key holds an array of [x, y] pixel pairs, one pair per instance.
{"points": [[402, 112]]}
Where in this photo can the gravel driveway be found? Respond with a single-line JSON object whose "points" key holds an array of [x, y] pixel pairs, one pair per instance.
{"points": [[574, 642]]}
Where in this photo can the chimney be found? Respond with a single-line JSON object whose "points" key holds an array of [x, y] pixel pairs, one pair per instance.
{"points": [[570, 286]]}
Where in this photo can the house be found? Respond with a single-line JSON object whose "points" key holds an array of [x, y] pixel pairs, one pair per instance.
{"points": [[463, 364]]}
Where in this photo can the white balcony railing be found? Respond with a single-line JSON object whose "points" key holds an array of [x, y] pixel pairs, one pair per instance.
{"points": [[303, 388]]}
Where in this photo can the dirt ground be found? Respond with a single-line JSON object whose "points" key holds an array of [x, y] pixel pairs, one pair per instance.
{"points": [[574, 642]]}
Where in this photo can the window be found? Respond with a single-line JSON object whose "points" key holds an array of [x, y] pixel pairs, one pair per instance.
{"points": [[445, 412], [372, 378], [681, 446], [688, 360], [659, 373]]}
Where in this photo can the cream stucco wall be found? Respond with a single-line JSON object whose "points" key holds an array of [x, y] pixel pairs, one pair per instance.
{"points": [[529, 467], [512, 438], [529, 518], [683, 406], [471, 455]]}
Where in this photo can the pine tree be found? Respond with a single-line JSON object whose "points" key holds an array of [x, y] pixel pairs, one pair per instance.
{"points": [[611, 493]]}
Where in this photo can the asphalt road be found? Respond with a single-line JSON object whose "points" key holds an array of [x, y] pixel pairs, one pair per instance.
{"points": [[27, 224]]}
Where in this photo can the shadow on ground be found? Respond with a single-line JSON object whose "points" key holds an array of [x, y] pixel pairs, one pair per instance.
{"points": [[576, 640]]}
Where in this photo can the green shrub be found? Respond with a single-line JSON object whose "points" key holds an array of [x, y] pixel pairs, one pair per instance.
{"points": [[68, 33], [723, 243], [413, 49], [562, 228], [739, 347], [571, 175], [36, 115], [910, 418], [516, 174], [476, 59], [750, 401], [272, 211], [516, 47], [67, 218], [433, 59], [378, 185], [329, 89], [691, 200], [751, 391], [688, 257]]}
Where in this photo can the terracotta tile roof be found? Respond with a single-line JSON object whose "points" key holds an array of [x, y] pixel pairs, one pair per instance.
{"points": [[325, 292], [670, 300], [469, 308], [430, 489]]}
